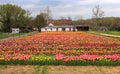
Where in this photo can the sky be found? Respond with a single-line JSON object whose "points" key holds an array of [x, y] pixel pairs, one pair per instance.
{"points": [[69, 8]]}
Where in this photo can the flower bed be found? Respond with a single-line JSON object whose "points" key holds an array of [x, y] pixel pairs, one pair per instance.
{"points": [[65, 48], [60, 59]]}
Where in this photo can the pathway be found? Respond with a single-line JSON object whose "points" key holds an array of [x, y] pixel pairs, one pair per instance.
{"points": [[110, 35]]}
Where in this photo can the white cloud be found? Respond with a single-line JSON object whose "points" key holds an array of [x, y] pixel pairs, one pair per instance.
{"points": [[84, 2], [111, 11], [110, 1], [72, 11], [28, 6]]}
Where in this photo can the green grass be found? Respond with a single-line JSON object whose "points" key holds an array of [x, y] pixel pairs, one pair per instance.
{"points": [[101, 70], [40, 69], [106, 32], [37, 70], [3, 66], [6, 35], [99, 33], [44, 70]]}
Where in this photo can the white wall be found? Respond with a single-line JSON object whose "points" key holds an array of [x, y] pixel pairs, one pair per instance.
{"points": [[76, 30], [66, 29], [59, 29], [48, 29], [71, 29], [43, 30], [54, 29]]}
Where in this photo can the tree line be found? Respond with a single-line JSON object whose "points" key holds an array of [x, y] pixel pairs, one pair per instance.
{"points": [[109, 23], [98, 21]]}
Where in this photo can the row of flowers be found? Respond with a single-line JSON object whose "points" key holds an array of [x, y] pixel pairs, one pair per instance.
{"points": [[8, 57], [87, 57], [61, 40], [58, 57], [65, 51]]}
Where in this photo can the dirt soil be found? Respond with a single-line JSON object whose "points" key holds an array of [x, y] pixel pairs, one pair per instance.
{"points": [[17, 69], [83, 70], [28, 69]]}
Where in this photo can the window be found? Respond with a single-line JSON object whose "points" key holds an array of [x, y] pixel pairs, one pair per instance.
{"points": [[63, 29]]}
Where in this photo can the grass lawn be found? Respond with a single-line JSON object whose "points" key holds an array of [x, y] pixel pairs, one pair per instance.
{"points": [[6, 35], [37, 69], [106, 32]]}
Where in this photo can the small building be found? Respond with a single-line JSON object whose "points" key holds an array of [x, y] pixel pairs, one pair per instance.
{"points": [[53, 28], [15, 30]]}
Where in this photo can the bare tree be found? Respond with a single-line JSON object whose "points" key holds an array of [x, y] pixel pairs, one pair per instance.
{"points": [[98, 13], [46, 13]]}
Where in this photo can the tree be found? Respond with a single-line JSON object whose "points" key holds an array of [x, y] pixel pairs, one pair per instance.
{"points": [[39, 21], [98, 13], [46, 13], [69, 18], [12, 16]]}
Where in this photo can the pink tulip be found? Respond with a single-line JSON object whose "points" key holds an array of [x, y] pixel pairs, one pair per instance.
{"points": [[59, 56]]}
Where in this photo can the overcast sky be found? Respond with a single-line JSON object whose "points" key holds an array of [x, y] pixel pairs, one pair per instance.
{"points": [[68, 8]]}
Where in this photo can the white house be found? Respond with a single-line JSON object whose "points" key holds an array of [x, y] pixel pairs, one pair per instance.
{"points": [[53, 28]]}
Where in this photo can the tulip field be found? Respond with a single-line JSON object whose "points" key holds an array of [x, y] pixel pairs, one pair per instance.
{"points": [[61, 48]]}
